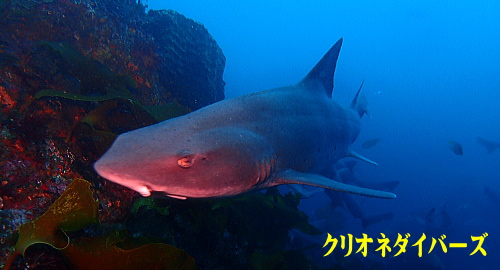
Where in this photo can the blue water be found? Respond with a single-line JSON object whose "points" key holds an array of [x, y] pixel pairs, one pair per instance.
{"points": [[431, 71]]}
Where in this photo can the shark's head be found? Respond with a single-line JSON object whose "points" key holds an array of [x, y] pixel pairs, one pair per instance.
{"points": [[212, 163]]}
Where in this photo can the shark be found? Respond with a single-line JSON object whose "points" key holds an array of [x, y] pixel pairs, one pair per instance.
{"points": [[288, 135], [489, 145]]}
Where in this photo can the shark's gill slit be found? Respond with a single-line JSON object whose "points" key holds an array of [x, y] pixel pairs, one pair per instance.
{"points": [[266, 169]]}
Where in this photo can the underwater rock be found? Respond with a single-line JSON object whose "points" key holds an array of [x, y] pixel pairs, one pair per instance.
{"points": [[188, 52], [73, 74], [82, 46]]}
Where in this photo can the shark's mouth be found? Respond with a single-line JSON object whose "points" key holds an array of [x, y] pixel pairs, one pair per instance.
{"points": [[176, 196], [143, 190]]}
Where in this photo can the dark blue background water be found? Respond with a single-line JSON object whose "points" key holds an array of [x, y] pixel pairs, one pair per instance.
{"points": [[431, 71]]}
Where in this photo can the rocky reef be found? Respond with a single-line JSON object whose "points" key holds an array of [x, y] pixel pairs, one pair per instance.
{"points": [[73, 75], [199, 79], [168, 56]]}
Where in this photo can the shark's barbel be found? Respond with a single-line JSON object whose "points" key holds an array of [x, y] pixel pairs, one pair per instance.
{"points": [[288, 135]]}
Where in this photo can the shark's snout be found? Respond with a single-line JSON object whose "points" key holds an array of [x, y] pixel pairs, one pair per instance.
{"points": [[102, 168], [106, 169]]}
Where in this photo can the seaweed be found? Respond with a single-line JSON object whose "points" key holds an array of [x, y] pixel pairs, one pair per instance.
{"points": [[226, 232], [73, 96], [104, 254], [167, 111], [147, 203], [158, 112], [76, 210], [116, 114], [93, 76]]}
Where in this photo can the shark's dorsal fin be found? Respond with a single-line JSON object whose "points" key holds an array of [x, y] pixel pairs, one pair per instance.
{"points": [[355, 99], [359, 103], [322, 73]]}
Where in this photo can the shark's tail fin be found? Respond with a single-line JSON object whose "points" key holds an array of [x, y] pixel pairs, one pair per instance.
{"points": [[359, 103]]}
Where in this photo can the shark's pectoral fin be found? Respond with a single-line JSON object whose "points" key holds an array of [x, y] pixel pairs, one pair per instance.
{"points": [[295, 177], [305, 191], [358, 156]]}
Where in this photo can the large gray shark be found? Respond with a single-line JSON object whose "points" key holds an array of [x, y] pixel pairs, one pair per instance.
{"points": [[288, 135]]}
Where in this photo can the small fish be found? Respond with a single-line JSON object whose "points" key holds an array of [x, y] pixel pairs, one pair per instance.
{"points": [[370, 143], [456, 148]]}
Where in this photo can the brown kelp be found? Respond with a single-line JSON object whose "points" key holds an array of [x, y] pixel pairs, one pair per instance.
{"points": [[75, 210]]}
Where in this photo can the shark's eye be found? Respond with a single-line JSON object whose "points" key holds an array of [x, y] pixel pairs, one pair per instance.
{"points": [[185, 162]]}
